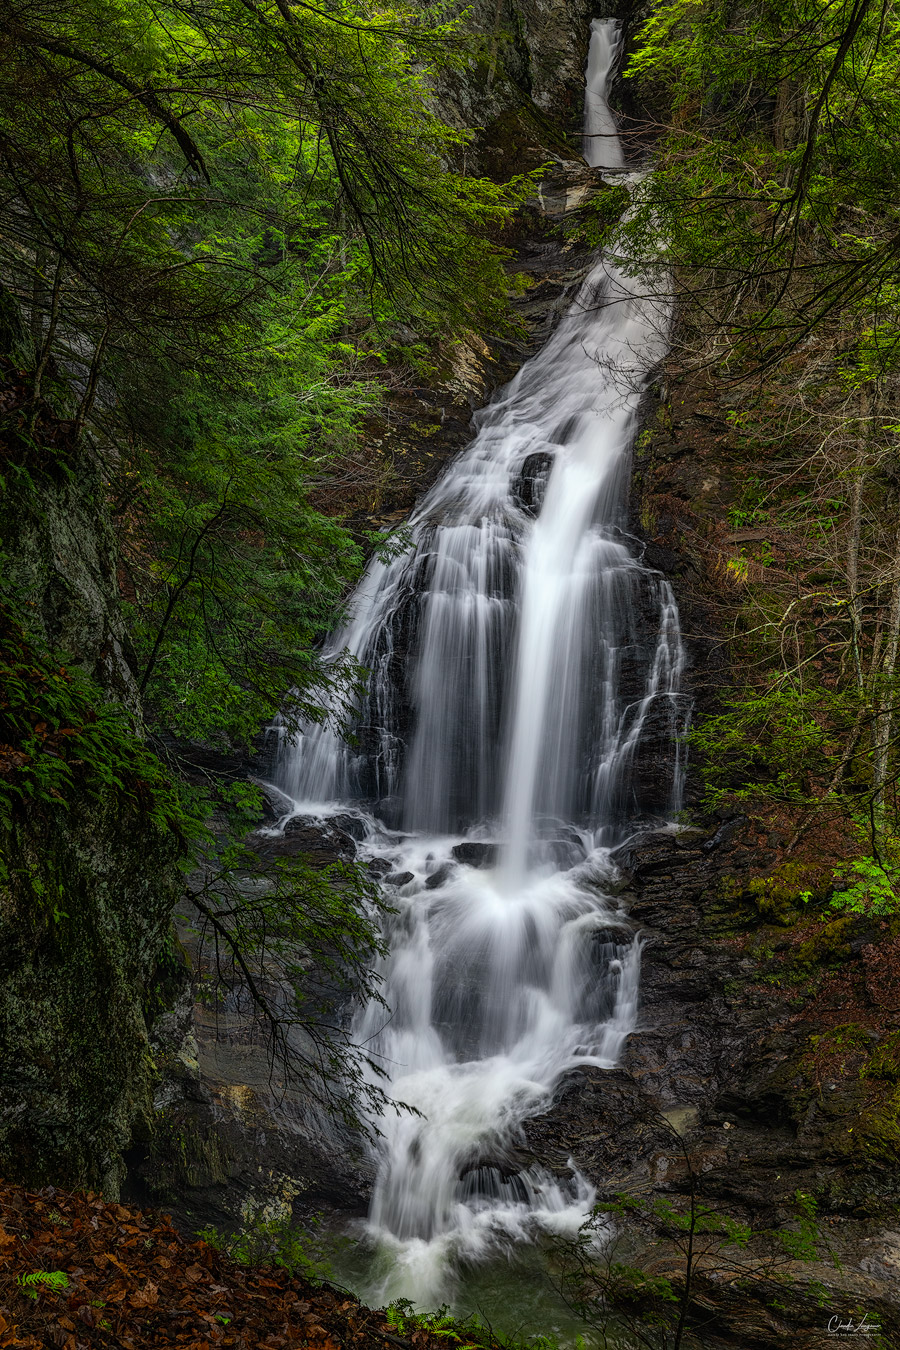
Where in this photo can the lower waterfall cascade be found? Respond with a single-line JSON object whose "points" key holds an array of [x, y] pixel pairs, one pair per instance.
{"points": [[521, 661]]}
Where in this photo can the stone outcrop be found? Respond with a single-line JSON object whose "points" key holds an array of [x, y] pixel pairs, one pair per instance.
{"points": [[765, 1067], [89, 883]]}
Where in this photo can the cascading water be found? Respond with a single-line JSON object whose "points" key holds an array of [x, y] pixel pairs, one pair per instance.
{"points": [[520, 655]]}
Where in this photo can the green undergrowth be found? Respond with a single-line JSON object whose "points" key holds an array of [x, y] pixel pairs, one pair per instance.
{"points": [[777, 897], [469, 1333], [595, 223], [298, 1249], [61, 738]]}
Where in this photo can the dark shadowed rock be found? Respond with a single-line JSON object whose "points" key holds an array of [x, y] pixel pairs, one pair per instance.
{"points": [[351, 825], [475, 854], [443, 873], [319, 841], [531, 483]]}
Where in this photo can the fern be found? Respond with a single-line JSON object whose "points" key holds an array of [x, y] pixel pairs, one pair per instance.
{"points": [[35, 1280]]}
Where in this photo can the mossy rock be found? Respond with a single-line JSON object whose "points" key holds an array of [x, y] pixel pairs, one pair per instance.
{"points": [[83, 919], [829, 945], [780, 897]]}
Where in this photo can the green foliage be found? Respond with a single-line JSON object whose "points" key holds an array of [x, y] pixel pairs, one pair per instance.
{"points": [[870, 885], [469, 1333], [595, 223], [775, 196], [776, 897], [217, 222], [301, 1250], [780, 164], [802, 1240], [776, 743], [673, 1215], [60, 736], [35, 1280], [698, 1247]]}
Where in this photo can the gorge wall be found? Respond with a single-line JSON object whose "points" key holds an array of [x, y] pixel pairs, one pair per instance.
{"points": [[88, 884]]}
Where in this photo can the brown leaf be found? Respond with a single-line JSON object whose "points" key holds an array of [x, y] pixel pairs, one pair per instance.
{"points": [[145, 1297], [195, 1273]]}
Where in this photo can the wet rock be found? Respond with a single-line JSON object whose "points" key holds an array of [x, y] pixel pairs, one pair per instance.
{"points": [[379, 867], [724, 833], [231, 1142], [350, 825], [439, 877], [711, 1090], [320, 841], [563, 853], [389, 810], [610, 937], [399, 878], [530, 485], [476, 854]]}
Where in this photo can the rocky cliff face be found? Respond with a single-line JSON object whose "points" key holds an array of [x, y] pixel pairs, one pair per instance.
{"points": [[529, 61], [88, 881]]}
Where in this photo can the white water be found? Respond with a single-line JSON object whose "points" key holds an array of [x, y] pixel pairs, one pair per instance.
{"points": [[522, 662], [601, 146]]}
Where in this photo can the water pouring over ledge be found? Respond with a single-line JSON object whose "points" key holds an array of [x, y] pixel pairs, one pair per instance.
{"points": [[520, 658]]}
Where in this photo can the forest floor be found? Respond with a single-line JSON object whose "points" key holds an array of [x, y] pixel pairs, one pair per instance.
{"points": [[78, 1272]]}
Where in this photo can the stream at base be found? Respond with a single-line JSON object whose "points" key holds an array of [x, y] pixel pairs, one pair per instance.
{"points": [[523, 691]]}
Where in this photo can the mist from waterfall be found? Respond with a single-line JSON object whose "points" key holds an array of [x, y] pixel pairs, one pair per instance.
{"points": [[523, 664]]}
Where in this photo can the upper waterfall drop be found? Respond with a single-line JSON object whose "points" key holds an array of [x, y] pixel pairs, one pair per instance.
{"points": [[520, 660], [601, 145]]}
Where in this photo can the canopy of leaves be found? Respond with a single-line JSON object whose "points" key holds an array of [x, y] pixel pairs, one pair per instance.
{"points": [[776, 199], [213, 219], [777, 188]]}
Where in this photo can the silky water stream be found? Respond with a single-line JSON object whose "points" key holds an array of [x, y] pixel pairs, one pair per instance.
{"points": [[521, 661]]}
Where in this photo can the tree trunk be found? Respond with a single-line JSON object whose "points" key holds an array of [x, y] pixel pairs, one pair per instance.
{"points": [[885, 698]]}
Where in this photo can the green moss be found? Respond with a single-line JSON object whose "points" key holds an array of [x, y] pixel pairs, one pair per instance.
{"points": [[76, 1072], [860, 1112], [172, 968], [828, 946], [182, 1156], [777, 898], [878, 1128], [884, 1061]]}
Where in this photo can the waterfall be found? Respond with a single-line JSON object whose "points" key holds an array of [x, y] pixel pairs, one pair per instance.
{"points": [[521, 660], [601, 146]]}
